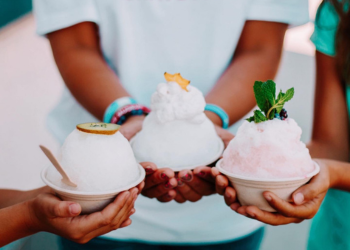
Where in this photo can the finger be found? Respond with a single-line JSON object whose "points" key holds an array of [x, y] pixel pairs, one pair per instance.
{"points": [[185, 175], [234, 206], [215, 172], [161, 189], [125, 212], [58, 208], [201, 186], [188, 193], [204, 173], [266, 217], [159, 176], [140, 187], [149, 167], [126, 223], [179, 198], [103, 218], [230, 196], [316, 186], [169, 196], [221, 183], [304, 211]]}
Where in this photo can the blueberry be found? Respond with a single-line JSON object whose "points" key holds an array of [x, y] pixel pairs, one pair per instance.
{"points": [[284, 114]]}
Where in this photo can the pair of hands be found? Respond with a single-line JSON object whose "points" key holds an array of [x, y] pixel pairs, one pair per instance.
{"points": [[306, 200], [164, 184], [48, 213]]}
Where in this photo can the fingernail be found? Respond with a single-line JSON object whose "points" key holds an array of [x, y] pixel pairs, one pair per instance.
{"points": [[188, 177], [268, 197], [251, 215], [168, 185], [149, 170], [201, 174], [298, 198], [169, 196], [179, 182], [164, 176], [74, 208]]}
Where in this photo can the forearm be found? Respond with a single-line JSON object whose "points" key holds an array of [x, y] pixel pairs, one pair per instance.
{"points": [[89, 79], [340, 174], [256, 58], [14, 223], [234, 90], [11, 197]]}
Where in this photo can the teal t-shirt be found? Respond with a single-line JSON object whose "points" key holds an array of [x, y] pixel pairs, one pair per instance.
{"points": [[330, 228]]}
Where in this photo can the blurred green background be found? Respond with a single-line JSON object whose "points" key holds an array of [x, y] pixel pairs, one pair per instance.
{"points": [[13, 9]]}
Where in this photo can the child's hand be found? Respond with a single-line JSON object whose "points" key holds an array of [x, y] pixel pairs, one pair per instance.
{"points": [[306, 202], [223, 188], [159, 183], [49, 213], [132, 126]]}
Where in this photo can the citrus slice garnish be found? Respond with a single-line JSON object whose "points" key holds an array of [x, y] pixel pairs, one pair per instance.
{"points": [[99, 128]]}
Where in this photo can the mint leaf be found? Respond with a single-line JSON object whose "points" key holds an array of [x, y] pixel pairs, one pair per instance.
{"points": [[270, 91], [259, 116], [250, 119], [283, 98], [259, 93]]}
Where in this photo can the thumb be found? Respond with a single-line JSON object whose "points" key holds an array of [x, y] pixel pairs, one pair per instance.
{"points": [[58, 208], [308, 192]]}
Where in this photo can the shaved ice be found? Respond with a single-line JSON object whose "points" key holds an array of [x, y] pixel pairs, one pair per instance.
{"points": [[268, 150], [177, 133], [96, 162]]}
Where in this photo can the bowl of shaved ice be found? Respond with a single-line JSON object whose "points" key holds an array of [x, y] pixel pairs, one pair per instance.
{"points": [[99, 159], [177, 134], [266, 153]]}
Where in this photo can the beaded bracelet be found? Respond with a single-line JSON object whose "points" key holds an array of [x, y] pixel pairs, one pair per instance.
{"points": [[219, 112], [116, 105], [129, 110]]}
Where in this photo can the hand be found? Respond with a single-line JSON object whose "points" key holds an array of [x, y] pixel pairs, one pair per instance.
{"points": [[159, 183], [306, 202], [49, 213], [193, 185], [222, 187], [132, 126]]}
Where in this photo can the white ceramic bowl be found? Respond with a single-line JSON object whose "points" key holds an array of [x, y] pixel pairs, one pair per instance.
{"points": [[250, 190], [214, 158], [91, 201]]}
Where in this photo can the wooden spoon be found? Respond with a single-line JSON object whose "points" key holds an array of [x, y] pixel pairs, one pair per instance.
{"points": [[57, 165]]}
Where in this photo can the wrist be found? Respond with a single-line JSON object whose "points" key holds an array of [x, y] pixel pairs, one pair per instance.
{"points": [[218, 112], [214, 118], [333, 173], [31, 220]]}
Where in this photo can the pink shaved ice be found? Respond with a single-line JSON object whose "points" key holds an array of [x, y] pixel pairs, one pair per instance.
{"points": [[268, 150]]}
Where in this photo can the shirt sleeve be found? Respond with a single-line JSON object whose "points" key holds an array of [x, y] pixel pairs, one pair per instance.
{"points": [[292, 12], [53, 15], [326, 25]]}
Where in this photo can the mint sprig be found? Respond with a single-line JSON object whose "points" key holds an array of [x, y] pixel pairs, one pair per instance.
{"points": [[265, 96]]}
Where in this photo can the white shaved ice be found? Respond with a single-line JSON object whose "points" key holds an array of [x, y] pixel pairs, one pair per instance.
{"points": [[96, 162], [268, 150], [176, 134]]}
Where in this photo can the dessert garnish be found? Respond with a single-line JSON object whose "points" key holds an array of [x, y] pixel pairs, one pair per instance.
{"points": [[270, 107], [178, 79], [98, 128]]}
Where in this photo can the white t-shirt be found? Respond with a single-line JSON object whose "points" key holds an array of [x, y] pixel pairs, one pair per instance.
{"points": [[141, 39]]}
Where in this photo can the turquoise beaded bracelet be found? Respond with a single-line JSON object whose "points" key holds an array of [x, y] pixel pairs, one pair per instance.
{"points": [[220, 112]]}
